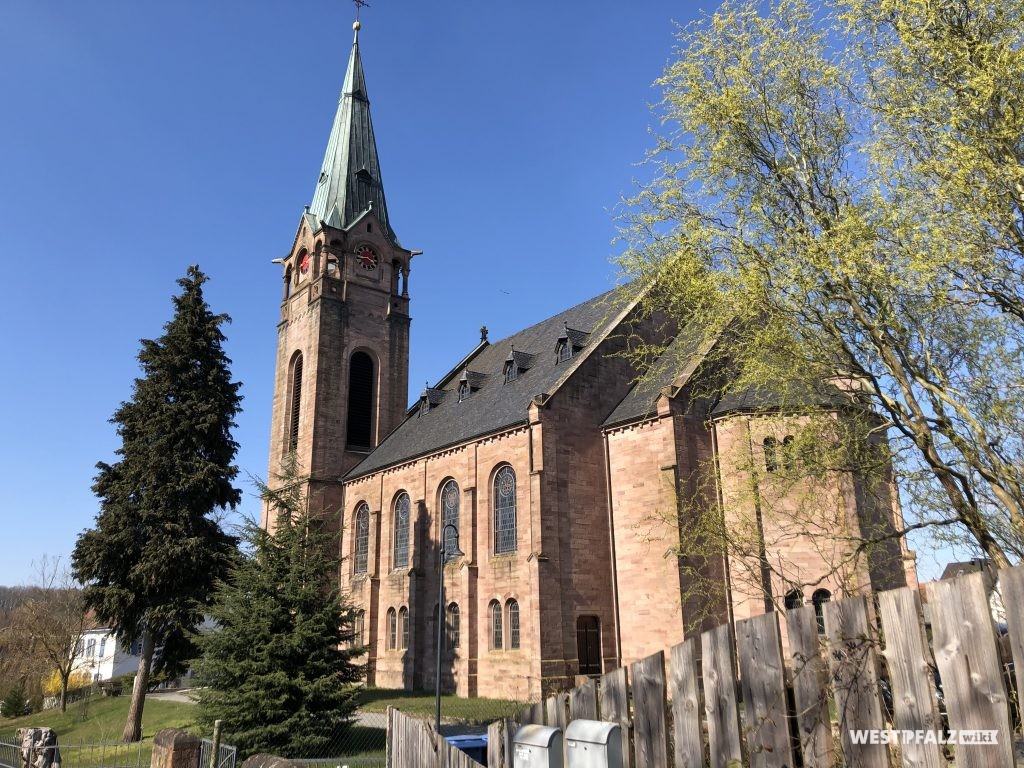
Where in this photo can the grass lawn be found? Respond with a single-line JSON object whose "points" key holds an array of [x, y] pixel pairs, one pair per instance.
{"points": [[453, 708], [101, 719]]}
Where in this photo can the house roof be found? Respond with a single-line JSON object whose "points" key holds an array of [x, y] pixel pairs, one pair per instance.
{"points": [[350, 180], [495, 405]]}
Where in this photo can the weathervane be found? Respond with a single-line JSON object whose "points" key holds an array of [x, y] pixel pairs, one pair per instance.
{"points": [[360, 4]]}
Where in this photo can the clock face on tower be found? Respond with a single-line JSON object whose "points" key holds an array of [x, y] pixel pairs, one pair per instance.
{"points": [[304, 263], [366, 258]]}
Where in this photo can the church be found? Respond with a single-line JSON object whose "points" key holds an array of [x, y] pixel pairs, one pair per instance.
{"points": [[553, 472]]}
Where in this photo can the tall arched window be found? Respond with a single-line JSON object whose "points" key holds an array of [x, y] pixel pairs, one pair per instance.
{"points": [[392, 630], [360, 402], [505, 510], [771, 454], [400, 558], [453, 625], [819, 598], [787, 452], [362, 547], [403, 626], [513, 625], [450, 514], [497, 641], [296, 404]]}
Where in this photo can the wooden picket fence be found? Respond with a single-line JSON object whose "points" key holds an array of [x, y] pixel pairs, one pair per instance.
{"points": [[807, 709], [413, 743]]}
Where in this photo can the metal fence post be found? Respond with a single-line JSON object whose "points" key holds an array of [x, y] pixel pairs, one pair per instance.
{"points": [[215, 747]]}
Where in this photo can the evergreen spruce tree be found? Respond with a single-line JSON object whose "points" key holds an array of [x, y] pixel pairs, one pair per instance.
{"points": [[151, 562], [279, 666]]}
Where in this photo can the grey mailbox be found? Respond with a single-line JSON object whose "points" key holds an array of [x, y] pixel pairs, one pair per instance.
{"points": [[537, 746], [593, 744]]}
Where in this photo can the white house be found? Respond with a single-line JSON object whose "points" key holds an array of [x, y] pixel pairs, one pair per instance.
{"points": [[103, 657]]}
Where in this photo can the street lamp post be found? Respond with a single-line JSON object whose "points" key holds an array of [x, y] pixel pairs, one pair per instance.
{"points": [[445, 556]]}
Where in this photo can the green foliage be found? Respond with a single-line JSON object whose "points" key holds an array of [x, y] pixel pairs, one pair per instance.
{"points": [[15, 703], [839, 199], [279, 667], [157, 549]]}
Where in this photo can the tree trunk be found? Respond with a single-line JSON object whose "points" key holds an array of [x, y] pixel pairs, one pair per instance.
{"points": [[133, 727], [64, 690]]}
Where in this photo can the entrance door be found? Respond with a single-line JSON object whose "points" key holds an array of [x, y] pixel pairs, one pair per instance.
{"points": [[588, 644]]}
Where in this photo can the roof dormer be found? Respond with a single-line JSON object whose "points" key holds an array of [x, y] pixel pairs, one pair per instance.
{"points": [[569, 343]]}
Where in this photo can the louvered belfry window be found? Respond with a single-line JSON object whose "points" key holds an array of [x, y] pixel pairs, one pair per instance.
{"points": [[360, 402], [293, 426]]}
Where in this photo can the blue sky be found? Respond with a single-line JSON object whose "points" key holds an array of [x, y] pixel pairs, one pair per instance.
{"points": [[139, 138]]}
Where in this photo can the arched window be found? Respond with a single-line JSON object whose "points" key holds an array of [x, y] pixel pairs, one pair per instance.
{"points": [[513, 625], [819, 598], [288, 282], [453, 625], [450, 514], [392, 630], [794, 599], [497, 641], [360, 402], [505, 510], [787, 452], [771, 454], [296, 409], [362, 547], [400, 558], [403, 625]]}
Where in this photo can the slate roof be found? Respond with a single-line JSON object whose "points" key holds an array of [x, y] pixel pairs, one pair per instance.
{"points": [[495, 405], [641, 401], [350, 181], [780, 398]]}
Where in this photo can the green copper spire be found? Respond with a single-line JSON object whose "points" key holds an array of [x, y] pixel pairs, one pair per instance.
{"points": [[350, 181]]}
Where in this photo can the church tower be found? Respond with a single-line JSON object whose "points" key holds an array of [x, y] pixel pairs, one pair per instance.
{"points": [[342, 373]]}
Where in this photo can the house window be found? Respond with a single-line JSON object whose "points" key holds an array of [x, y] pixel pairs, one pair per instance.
{"points": [[794, 599], [497, 642], [360, 402], [453, 625], [293, 426], [362, 538], [103, 647], [513, 625], [771, 454], [403, 623], [819, 598], [505, 510], [90, 648], [565, 350], [400, 557], [464, 390], [450, 514], [392, 630]]}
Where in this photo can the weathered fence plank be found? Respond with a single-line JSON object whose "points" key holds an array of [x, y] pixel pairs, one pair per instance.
{"points": [[583, 702], [763, 681], [720, 697], [536, 714], [968, 661], [854, 668], [687, 732], [650, 735], [810, 688], [614, 706], [496, 754], [1011, 584], [908, 660]]}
